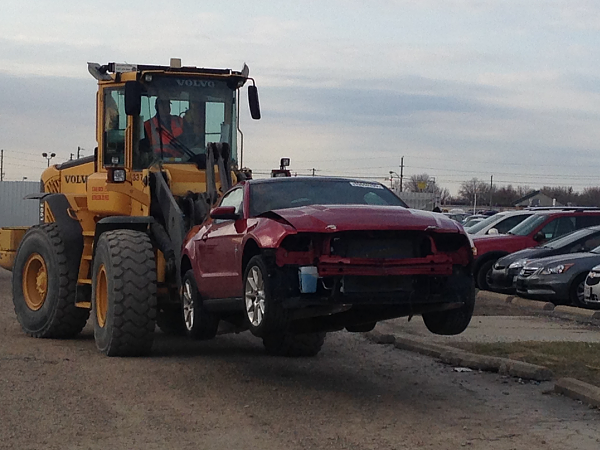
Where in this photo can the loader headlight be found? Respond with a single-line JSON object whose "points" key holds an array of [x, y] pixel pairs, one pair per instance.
{"points": [[116, 175]]}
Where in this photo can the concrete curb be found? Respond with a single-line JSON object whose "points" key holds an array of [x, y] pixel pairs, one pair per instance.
{"points": [[578, 390], [560, 310], [457, 357], [569, 387]]}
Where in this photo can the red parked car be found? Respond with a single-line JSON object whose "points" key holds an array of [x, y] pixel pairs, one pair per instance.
{"points": [[293, 258], [541, 227]]}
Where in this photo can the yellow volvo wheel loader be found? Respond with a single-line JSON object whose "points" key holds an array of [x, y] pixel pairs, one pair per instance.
{"points": [[112, 224]]}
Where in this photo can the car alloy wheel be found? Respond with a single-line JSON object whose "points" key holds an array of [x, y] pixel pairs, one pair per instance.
{"points": [[254, 296], [188, 305]]}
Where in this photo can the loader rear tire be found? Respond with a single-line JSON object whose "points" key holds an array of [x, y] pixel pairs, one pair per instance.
{"points": [[43, 284], [124, 293]]}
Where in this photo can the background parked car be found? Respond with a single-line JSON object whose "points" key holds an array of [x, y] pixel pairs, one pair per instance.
{"points": [[591, 293], [472, 220], [500, 223], [536, 229], [558, 279], [503, 276]]}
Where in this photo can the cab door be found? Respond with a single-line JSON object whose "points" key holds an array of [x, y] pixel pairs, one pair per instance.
{"points": [[219, 252]]}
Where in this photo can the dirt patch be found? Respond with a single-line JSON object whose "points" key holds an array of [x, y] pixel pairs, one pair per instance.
{"points": [[579, 360]]}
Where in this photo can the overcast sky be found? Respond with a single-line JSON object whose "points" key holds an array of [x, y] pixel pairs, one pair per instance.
{"points": [[460, 88]]}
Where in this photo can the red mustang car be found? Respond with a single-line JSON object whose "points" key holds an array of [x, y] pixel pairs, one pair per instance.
{"points": [[293, 258]]}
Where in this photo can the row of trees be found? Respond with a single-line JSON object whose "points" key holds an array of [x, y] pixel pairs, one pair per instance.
{"points": [[504, 196]]}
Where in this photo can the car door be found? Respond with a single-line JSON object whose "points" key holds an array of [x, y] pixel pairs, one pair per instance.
{"points": [[219, 252]]}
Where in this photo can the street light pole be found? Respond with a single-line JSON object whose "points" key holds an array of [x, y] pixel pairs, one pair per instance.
{"points": [[48, 157]]}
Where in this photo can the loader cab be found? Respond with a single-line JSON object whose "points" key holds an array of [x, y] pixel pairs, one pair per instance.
{"points": [[158, 114]]}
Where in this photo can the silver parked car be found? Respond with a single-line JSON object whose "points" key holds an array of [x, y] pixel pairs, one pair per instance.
{"points": [[499, 223]]}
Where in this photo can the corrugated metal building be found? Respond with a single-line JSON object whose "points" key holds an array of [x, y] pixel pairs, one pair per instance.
{"points": [[15, 211]]}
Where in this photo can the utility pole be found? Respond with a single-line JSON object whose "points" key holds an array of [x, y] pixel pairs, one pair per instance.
{"points": [[1, 165], [474, 196], [491, 189], [71, 158], [78, 151], [313, 172], [401, 172]]}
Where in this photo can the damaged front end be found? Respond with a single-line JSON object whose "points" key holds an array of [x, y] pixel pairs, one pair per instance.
{"points": [[375, 274]]}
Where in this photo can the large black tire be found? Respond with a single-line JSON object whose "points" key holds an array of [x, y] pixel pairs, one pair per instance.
{"points": [[124, 293], [482, 274], [43, 283], [198, 322], [263, 314], [453, 321], [294, 345], [170, 321]]}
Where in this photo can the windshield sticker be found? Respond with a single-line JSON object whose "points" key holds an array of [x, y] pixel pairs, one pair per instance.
{"points": [[366, 185]]}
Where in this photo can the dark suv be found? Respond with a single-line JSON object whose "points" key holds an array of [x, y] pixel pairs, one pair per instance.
{"points": [[544, 225]]}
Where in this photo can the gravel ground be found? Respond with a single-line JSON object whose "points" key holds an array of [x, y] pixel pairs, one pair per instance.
{"points": [[227, 394]]}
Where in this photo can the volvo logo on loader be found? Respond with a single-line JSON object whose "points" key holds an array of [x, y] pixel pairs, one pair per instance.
{"points": [[76, 179], [196, 83]]}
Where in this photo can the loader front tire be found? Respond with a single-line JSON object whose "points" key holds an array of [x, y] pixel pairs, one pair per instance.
{"points": [[124, 293], [43, 284]]}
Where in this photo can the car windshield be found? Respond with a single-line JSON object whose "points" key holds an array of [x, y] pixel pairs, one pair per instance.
{"points": [[484, 223], [567, 239], [528, 225], [295, 192]]}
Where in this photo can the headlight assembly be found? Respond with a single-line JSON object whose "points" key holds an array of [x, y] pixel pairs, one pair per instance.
{"points": [[555, 270]]}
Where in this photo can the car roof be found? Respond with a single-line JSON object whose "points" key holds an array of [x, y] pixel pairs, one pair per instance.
{"points": [[305, 178]]}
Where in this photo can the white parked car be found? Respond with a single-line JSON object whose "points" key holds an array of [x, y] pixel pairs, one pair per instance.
{"points": [[499, 223], [591, 289]]}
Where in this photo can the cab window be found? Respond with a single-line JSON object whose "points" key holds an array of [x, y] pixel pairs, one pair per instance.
{"points": [[115, 123]]}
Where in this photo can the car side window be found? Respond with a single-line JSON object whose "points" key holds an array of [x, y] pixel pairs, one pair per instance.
{"points": [[590, 244], [588, 221], [234, 198], [508, 223], [558, 227]]}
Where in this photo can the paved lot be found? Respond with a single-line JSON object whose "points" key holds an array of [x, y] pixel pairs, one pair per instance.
{"points": [[227, 394], [490, 329]]}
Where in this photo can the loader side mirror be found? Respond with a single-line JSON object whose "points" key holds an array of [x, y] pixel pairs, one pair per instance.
{"points": [[224, 213], [133, 98], [253, 102]]}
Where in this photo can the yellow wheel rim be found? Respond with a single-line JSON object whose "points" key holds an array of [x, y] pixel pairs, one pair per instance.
{"points": [[101, 296], [35, 281]]}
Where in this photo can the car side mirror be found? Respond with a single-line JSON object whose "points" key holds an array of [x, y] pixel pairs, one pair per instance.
{"points": [[133, 98], [224, 213], [539, 237], [493, 231]]}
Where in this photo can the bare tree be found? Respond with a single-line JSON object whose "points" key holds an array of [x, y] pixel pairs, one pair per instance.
{"points": [[475, 189], [419, 183]]}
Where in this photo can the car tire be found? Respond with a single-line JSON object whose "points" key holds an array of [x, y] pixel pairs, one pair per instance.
{"points": [[198, 322], [453, 321], [482, 275], [263, 313], [361, 328], [43, 285], [124, 293], [576, 291], [293, 345]]}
